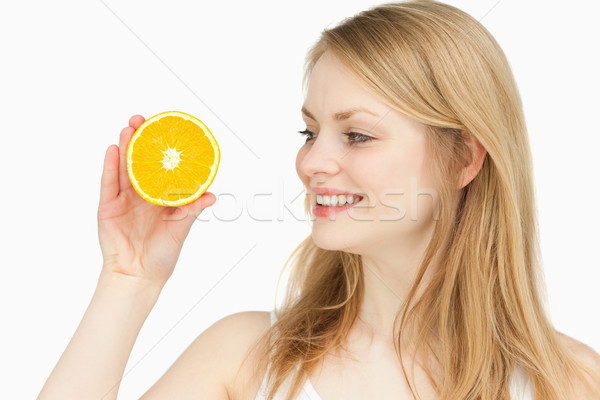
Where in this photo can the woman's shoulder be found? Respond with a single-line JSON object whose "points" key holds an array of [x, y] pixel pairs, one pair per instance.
{"points": [[582, 351], [589, 357], [218, 364], [255, 321], [235, 335]]}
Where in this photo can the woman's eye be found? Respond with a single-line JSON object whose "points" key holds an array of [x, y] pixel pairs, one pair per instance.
{"points": [[357, 137], [307, 133], [353, 137]]}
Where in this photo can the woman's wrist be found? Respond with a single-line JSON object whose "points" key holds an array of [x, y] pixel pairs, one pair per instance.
{"points": [[144, 291]]}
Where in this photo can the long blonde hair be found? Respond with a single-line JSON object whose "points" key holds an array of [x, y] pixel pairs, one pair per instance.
{"points": [[486, 304]]}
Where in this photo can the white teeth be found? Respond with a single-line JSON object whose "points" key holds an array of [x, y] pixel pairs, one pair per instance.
{"points": [[336, 200]]}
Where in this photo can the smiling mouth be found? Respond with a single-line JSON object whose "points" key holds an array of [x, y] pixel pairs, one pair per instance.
{"points": [[337, 200]]}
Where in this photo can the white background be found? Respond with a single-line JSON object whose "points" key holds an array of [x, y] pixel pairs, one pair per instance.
{"points": [[73, 72]]}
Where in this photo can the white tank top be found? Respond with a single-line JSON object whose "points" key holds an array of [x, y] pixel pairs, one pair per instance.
{"points": [[520, 387]]}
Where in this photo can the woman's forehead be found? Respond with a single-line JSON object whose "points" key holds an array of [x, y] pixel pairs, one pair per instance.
{"points": [[334, 89]]}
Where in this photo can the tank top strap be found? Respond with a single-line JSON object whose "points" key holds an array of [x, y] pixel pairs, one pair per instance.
{"points": [[273, 317], [520, 385]]}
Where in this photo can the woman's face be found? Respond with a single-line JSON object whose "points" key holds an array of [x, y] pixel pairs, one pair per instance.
{"points": [[384, 161]]}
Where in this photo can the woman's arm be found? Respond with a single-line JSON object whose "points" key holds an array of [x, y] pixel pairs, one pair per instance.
{"points": [[93, 363], [140, 244]]}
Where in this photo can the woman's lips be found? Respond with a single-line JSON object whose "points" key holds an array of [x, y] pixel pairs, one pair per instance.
{"points": [[326, 211]]}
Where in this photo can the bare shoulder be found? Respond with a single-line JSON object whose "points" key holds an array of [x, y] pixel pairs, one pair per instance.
{"points": [[589, 357], [212, 363], [582, 351], [241, 327]]}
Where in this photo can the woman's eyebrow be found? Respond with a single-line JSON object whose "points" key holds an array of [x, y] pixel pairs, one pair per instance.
{"points": [[342, 115]]}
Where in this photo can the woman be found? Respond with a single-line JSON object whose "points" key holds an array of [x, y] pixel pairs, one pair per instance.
{"points": [[424, 282]]}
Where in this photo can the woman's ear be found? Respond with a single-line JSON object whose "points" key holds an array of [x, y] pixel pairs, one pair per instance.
{"points": [[478, 153]]}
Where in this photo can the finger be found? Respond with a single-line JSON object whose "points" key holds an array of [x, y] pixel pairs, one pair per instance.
{"points": [[136, 121], [186, 215], [109, 184], [206, 200], [124, 139], [189, 211]]}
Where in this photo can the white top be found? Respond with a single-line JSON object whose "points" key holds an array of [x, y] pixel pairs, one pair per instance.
{"points": [[520, 388]]}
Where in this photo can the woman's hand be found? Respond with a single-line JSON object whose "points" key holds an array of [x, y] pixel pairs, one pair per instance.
{"points": [[137, 238]]}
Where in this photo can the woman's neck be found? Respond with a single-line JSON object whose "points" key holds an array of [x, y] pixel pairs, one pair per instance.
{"points": [[388, 279]]}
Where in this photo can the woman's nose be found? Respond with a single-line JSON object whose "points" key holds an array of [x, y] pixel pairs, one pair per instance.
{"points": [[320, 156]]}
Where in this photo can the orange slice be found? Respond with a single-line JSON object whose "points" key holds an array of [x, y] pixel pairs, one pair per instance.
{"points": [[172, 159]]}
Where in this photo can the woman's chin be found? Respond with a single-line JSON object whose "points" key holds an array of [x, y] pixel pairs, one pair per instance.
{"points": [[331, 242]]}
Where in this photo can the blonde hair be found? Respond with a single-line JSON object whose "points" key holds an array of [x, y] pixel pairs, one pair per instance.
{"points": [[441, 67]]}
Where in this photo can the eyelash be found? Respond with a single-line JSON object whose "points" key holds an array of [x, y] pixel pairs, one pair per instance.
{"points": [[364, 138]]}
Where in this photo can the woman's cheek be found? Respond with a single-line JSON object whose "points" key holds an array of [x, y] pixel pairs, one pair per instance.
{"points": [[299, 158]]}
